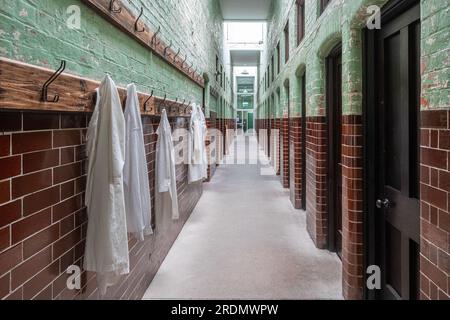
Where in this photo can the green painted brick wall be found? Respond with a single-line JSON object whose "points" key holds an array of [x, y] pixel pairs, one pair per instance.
{"points": [[36, 32], [343, 21], [435, 61]]}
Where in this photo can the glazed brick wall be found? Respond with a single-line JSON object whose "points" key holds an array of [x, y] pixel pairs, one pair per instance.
{"points": [[275, 144], [195, 26], [211, 140], [352, 207], [220, 141], [295, 159], [435, 200], [267, 137], [284, 154], [43, 220], [344, 21], [316, 180]]}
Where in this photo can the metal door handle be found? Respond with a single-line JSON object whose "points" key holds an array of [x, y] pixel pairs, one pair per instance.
{"points": [[383, 204]]}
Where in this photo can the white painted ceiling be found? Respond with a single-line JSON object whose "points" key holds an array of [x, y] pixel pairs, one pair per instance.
{"points": [[245, 58], [245, 9]]}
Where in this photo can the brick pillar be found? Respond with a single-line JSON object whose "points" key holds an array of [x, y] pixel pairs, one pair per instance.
{"points": [[435, 202], [284, 131], [352, 207], [278, 146], [295, 167], [267, 138], [352, 165], [275, 145], [316, 172]]}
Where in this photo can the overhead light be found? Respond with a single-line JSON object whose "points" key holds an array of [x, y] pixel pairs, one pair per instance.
{"points": [[245, 72]]}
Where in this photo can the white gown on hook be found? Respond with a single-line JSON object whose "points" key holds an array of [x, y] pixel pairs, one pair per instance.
{"points": [[166, 198], [196, 146], [106, 251], [136, 182]]}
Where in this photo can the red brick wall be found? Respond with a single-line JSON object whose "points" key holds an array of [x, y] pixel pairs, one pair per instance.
{"points": [[316, 177], [42, 218], [295, 167], [284, 152], [352, 207], [435, 201]]}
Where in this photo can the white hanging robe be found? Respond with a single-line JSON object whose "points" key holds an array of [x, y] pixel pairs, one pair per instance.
{"points": [[136, 182], [166, 198], [106, 251], [197, 148]]}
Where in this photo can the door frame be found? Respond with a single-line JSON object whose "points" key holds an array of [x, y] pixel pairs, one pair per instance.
{"points": [[304, 124], [332, 119], [373, 248]]}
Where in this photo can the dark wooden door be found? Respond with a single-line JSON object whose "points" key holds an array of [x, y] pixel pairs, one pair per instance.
{"points": [[397, 132], [334, 112], [304, 142]]}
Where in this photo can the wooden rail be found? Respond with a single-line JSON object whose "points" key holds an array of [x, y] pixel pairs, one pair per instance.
{"points": [[21, 89]]}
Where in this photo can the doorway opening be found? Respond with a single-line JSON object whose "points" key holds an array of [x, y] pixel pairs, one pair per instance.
{"points": [[392, 176], [334, 114]]}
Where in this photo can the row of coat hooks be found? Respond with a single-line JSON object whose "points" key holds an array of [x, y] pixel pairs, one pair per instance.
{"points": [[172, 56], [152, 104], [172, 107]]}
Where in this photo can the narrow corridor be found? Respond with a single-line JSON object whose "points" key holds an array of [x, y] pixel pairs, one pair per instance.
{"points": [[224, 149], [244, 240]]}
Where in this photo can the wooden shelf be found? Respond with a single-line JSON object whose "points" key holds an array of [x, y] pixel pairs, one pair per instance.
{"points": [[21, 86]]}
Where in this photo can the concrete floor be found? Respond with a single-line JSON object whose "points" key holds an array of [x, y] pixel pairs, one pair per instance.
{"points": [[244, 240]]}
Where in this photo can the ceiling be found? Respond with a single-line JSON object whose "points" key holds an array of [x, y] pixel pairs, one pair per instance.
{"points": [[245, 9], [245, 58]]}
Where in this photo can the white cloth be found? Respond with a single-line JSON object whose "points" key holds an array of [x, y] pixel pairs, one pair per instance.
{"points": [[135, 175], [166, 197], [197, 156], [106, 251]]}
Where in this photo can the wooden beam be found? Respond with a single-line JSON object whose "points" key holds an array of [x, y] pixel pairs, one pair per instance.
{"points": [[125, 21], [21, 88]]}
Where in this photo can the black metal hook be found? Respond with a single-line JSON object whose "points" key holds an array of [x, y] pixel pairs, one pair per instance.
{"points": [[187, 107], [147, 101], [112, 9], [136, 23], [162, 103], [178, 53], [189, 70], [182, 64], [155, 35], [166, 48], [44, 96]]}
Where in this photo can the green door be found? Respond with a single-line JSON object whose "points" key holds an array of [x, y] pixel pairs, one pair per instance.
{"points": [[250, 121]]}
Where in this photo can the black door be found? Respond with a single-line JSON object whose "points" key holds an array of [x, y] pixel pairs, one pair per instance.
{"points": [[334, 113], [304, 142], [395, 200]]}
